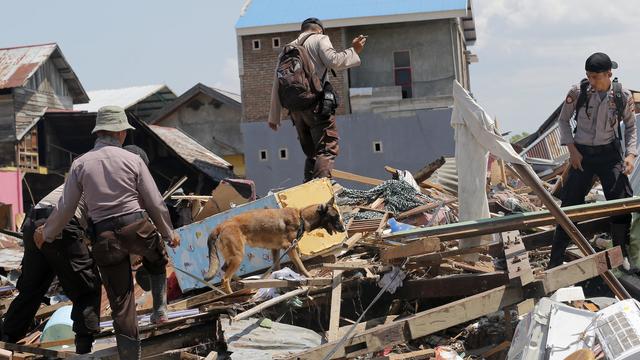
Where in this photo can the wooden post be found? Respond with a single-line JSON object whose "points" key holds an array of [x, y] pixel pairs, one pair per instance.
{"points": [[336, 297], [530, 178]]}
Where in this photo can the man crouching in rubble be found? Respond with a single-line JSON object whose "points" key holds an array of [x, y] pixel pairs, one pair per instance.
{"points": [[313, 116], [68, 257], [595, 147], [115, 183]]}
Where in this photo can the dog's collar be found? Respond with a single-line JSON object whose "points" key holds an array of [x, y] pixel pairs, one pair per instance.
{"points": [[300, 229]]}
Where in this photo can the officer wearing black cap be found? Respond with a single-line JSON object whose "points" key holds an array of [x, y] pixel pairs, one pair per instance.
{"points": [[317, 132], [598, 106]]}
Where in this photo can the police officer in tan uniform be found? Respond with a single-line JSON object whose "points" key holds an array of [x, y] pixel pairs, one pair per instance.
{"points": [[318, 134], [598, 105]]}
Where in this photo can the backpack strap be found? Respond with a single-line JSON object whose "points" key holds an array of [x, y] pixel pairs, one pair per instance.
{"points": [[619, 100], [583, 97]]}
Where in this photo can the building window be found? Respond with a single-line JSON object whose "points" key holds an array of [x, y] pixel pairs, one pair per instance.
{"points": [[284, 154], [264, 155], [256, 44], [377, 146], [275, 42], [402, 72]]}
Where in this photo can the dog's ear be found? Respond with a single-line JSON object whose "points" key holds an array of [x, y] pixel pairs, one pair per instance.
{"points": [[331, 202], [322, 209]]}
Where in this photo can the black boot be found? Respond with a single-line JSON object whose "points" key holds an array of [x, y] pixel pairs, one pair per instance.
{"points": [[560, 242], [128, 348], [620, 237], [84, 343], [159, 294]]}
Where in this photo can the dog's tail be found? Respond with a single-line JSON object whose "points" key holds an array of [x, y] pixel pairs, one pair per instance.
{"points": [[214, 260]]}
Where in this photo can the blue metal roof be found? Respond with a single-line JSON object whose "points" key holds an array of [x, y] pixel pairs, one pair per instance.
{"points": [[277, 12]]}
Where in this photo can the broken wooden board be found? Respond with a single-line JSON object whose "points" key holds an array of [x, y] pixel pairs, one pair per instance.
{"points": [[452, 285], [318, 191], [336, 299], [348, 265], [433, 320], [414, 355], [277, 283], [425, 246], [516, 257]]}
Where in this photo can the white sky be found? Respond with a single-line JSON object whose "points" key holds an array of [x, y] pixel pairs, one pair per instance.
{"points": [[530, 51]]}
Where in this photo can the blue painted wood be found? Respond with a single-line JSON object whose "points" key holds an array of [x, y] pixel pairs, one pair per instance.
{"points": [[192, 255]]}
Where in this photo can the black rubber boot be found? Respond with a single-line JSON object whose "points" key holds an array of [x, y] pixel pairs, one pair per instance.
{"points": [[128, 348], [84, 343], [560, 243], [159, 294]]}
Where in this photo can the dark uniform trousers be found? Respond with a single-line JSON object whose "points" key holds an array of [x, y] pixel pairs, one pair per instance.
{"points": [[604, 161], [319, 140], [116, 239], [70, 260]]}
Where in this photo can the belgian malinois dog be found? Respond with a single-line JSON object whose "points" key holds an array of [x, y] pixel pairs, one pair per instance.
{"points": [[274, 229]]}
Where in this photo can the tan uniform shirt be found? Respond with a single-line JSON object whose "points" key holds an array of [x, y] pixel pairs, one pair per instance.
{"points": [[115, 182], [323, 56], [597, 124]]}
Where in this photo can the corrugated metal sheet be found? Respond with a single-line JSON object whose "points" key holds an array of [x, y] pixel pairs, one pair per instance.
{"points": [[18, 64], [447, 175], [229, 94], [124, 97], [190, 150]]}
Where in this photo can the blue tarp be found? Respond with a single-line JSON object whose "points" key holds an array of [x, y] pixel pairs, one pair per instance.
{"points": [[192, 255]]}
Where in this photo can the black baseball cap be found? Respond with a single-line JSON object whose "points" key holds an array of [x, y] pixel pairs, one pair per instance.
{"points": [[599, 62], [312, 20]]}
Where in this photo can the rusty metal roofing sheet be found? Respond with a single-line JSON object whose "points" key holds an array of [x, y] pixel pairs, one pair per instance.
{"points": [[18, 64], [190, 150]]}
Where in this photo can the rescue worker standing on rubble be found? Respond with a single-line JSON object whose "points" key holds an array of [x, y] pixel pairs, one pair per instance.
{"points": [[598, 106], [115, 183], [316, 127]]}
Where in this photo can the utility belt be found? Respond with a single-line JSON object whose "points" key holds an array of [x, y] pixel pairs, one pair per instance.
{"points": [[600, 149], [117, 222]]}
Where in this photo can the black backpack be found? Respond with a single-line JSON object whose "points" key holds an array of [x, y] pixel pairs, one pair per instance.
{"points": [[618, 99], [299, 87]]}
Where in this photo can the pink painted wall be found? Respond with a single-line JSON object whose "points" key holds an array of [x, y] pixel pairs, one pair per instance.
{"points": [[11, 191]]}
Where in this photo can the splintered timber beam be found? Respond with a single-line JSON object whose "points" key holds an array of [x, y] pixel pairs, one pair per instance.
{"points": [[433, 320], [518, 221], [277, 283]]}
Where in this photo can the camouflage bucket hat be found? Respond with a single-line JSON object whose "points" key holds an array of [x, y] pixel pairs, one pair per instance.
{"points": [[111, 118]]}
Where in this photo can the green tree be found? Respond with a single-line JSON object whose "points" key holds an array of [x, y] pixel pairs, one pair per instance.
{"points": [[518, 137]]}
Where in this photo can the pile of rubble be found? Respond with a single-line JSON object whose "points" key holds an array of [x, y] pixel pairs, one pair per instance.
{"points": [[407, 280]]}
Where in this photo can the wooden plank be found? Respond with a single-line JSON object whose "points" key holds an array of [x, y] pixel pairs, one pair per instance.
{"points": [[424, 246], [36, 351], [413, 355], [348, 265], [588, 228], [516, 257], [502, 346], [445, 316], [518, 221], [336, 299], [269, 303], [276, 283], [345, 175], [452, 286]]}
